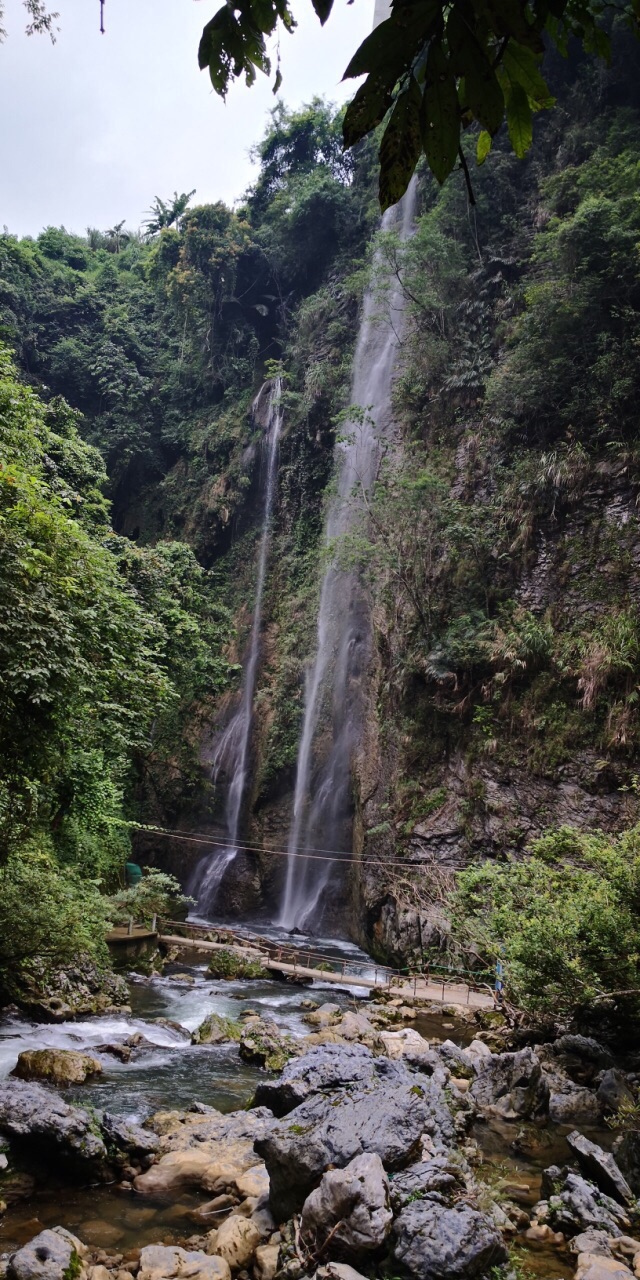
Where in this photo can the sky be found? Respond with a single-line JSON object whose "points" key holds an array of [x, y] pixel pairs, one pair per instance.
{"points": [[95, 126]]}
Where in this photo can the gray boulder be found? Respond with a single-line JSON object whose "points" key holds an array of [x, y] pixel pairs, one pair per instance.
{"points": [[613, 1091], [511, 1085], [331, 1066], [585, 1048], [386, 1116], [130, 1139], [351, 1206], [601, 1167], [438, 1174], [626, 1150], [437, 1243], [52, 1255], [456, 1060], [571, 1103], [572, 1204], [35, 1115]]}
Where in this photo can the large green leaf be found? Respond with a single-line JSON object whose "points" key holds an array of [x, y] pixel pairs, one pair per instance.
{"points": [[483, 146], [482, 93], [519, 120], [391, 47], [366, 111], [522, 67], [440, 114], [401, 146]]}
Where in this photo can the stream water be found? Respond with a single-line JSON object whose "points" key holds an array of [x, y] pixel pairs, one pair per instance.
{"points": [[167, 1072]]}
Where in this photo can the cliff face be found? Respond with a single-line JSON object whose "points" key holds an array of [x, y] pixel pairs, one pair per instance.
{"points": [[501, 558]]}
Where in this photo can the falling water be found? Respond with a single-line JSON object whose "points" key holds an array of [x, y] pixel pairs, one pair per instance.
{"points": [[321, 802], [233, 749]]}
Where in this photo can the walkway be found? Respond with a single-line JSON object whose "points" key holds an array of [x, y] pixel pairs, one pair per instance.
{"points": [[306, 965]]}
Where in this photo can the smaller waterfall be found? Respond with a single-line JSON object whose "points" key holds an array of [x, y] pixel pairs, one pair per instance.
{"points": [[321, 803], [233, 749]]}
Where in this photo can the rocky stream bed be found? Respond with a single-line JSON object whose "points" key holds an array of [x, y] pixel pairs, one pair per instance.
{"points": [[268, 1131]]}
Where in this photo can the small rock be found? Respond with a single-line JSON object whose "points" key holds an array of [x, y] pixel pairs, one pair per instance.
{"points": [[542, 1233], [593, 1266], [265, 1263], [236, 1241], [51, 1255]]}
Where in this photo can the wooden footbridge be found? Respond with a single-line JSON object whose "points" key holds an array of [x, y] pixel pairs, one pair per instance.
{"points": [[305, 965]]}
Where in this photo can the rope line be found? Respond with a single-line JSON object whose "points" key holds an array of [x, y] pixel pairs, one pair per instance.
{"points": [[198, 838]]}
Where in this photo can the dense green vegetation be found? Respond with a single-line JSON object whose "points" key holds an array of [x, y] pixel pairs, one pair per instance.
{"points": [[501, 545]]}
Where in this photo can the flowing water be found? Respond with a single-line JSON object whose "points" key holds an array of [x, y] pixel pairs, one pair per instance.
{"points": [[232, 753], [321, 804]]}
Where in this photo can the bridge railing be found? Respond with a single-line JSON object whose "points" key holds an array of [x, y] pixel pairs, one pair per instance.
{"points": [[310, 958]]}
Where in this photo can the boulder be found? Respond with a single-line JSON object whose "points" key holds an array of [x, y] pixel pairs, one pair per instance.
{"points": [[163, 1262], [263, 1043], [386, 1116], [572, 1204], [408, 1044], [601, 1167], [511, 1085], [216, 1030], [626, 1150], [209, 1151], [613, 1091], [325, 1016], [593, 1266], [584, 1049], [338, 1271], [571, 1103], [130, 1139], [57, 1066], [438, 1243], [351, 1206], [235, 1241], [592, 1241], [324, 1067], [52, 1255], [439, 1174], [458, 1061], [34, 1115]]}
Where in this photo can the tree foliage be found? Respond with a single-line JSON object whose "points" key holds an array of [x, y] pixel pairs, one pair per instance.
{"points": [[432, 71]]}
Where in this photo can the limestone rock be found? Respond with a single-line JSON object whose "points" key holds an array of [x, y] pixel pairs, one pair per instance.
{"points": [[265, 1263], [130, 1139], [407, 1044], [263, 1043], [592, 1241], [511, 1085], [627, 1154], [386, 1116], [569, 1103], [458, 1060], [601, 1167], [322, 1068], [324, 1016], [51, 1255], [439, 1174], [351, 1205], [436, 1243], [613, 1091], [37, 1116], [572, 1204], [211, 1151], [57, 1066], [216, 1030], [164, 1262], [593, 1266], [235, 1241]]}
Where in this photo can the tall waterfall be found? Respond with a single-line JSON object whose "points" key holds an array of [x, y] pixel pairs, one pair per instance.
{"points": [[233, 749], [321, 805]]}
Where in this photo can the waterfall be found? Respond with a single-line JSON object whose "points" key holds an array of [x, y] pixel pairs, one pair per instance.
{"points": [[233, 749], [321, 804]]}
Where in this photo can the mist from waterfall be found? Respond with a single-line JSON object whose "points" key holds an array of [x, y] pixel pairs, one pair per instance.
{"points": [[322, 798], [232, 753]]}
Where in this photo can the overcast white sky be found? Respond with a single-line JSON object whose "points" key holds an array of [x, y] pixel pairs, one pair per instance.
{"points": [[93, 127]]}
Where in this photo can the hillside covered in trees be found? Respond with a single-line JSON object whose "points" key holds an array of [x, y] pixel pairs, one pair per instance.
{"points": [[501, 549]]}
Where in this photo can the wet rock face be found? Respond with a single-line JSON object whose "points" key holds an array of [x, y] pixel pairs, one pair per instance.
{"points": [[436, 1243], [38, 1118], [57, 1066], [351, 1207], [386, 1116], [52, 1255], [511, 1085]]}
